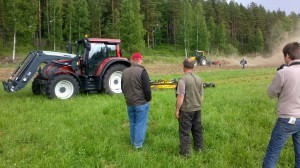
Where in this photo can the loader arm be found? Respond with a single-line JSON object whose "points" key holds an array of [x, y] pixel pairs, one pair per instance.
{"points": [[26, 70]]}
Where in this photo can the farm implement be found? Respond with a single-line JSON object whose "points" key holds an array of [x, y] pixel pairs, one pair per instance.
{"points": [[164, 84]]}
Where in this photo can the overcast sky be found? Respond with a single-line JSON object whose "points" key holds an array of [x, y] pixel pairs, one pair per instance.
{"points": [[284, 5]]}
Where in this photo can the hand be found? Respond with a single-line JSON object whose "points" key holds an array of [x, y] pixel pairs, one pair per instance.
{"points": [[177, 114]]}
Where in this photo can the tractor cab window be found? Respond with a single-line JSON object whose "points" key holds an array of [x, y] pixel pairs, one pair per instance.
{"points": [[98, 51], [111, 50]]}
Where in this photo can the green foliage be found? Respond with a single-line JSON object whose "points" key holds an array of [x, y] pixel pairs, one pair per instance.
{"points": [[200, 35], [81, 22], [152, 20], [221, 37], [92, 130], [69, 20], [131, 26], [259, 41], [49, 24]]}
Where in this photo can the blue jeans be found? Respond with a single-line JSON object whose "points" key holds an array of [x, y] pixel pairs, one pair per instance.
{"points": [[138, 118], [282, 130]]}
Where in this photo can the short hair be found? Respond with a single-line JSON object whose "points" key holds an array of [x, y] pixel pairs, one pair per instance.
{"points": [[189, 63], [293, 49]]}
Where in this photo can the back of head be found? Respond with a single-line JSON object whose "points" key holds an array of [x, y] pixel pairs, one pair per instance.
{"points": [[136, 56], [292, 49], [188, 63]]}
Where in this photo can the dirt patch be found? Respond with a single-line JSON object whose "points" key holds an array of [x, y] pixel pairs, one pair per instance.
{"points": [[160, 68], [5, 73]]}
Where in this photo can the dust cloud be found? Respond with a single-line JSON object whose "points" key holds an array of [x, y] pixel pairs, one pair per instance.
{"points": [[274, 58]]}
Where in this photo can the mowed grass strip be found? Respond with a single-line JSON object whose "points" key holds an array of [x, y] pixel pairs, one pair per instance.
{"points": [[92, 130]]}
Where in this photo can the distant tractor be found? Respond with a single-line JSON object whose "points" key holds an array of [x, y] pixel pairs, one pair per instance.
{"points": [[97, 66], [201, 58]]}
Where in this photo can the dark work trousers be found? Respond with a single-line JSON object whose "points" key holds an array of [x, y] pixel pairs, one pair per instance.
{"points": [[190, 122]]}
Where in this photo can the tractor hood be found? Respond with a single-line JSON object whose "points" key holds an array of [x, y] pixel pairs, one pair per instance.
{"points": [[59, 54]]}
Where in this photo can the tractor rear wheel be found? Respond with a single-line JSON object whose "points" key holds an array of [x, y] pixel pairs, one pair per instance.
{"points": [[62, 87], [37, 88], [203, 61], [112, 79]]}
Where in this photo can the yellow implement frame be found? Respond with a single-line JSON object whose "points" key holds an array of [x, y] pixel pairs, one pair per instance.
{"points": [[163, 84]]}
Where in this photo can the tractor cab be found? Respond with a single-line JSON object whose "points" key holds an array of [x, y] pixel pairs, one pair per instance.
{"points": [[93, 51], [199, 53]]}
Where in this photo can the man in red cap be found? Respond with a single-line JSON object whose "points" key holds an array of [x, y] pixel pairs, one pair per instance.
{"points": [[137, 92]]}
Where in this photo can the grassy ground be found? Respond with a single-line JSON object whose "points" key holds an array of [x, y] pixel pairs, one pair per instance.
{"points": [[92, 130]]}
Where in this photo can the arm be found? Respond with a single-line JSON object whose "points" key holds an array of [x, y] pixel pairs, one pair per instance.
{"points": [[202, 92], [180, 96], [179, 101], [146, 86], [275, 87]]}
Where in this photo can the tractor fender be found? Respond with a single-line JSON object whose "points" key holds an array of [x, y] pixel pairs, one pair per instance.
{"points": [[51, 70], [108, 63], [105, 65], [67, 72]]}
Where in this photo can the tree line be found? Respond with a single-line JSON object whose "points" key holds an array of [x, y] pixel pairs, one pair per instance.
{"points": [[210, 25]]}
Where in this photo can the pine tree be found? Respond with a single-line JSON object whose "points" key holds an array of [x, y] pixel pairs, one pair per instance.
{"points": [[221, 37], [68, 28], [211, 34], [185, 30], [151, 21], [131, 26], [259, 41], [81, 19], [200, 37], [21, 22]]}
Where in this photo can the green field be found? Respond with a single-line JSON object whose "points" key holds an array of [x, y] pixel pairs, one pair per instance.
{"points": [[92, 130]]}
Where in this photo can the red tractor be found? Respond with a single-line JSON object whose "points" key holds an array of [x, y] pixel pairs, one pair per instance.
{"points": [[97, 66]]}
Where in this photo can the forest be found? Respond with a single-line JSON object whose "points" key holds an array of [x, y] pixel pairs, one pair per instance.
{"points": [[212, 25]]}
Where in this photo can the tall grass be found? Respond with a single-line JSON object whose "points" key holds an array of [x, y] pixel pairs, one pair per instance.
{"points": [[92, 130]]}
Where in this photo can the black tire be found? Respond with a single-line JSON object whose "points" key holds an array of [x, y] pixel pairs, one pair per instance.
{"points": [[38, 88], [62, 87], [203, 61], [112, 79]]}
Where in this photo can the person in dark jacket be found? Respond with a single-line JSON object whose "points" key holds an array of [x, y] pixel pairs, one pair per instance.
{"points": [[188, 109], [243, 62], [137, 92]]}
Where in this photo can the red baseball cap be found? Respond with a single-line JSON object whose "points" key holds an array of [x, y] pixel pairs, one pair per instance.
{"points": [[136, 56]]}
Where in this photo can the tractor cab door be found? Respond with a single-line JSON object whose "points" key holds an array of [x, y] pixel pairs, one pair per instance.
{"points": [[83, 48], [97, 54]]}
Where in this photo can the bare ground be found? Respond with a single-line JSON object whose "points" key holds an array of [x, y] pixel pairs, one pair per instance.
{"points": [[159, 68]]}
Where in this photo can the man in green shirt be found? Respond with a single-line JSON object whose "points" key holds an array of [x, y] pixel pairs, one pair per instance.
{"points": [[189, 97]]}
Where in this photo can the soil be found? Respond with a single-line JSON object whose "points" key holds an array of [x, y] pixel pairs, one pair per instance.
{"points": [[159, 68], [5, 73]]}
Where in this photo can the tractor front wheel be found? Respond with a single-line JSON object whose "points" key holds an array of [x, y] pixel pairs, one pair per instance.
{"points": [[62, 87], [112, 79]]}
